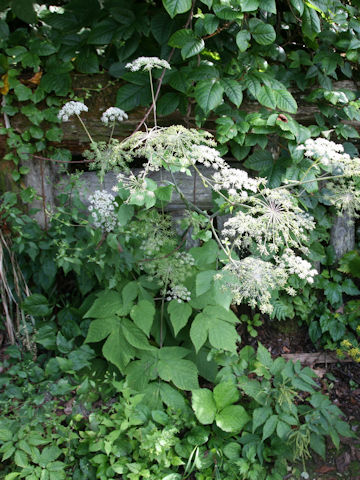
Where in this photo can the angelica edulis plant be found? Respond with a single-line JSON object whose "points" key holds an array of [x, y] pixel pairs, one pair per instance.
{"points": [[265, 240]]}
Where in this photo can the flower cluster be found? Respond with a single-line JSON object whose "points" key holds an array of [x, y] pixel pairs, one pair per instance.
{"points": [[71, 108], [298, 266], [113, 114], [273, 220], [179, 293], [253, 281], [236, 182], [331, 155], [170, 270], [102, 208], [147, 63], [208, 156], [345, 196], [169, 146]]}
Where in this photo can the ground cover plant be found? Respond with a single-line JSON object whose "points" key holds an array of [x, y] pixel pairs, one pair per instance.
{"points": [[128, 361]]}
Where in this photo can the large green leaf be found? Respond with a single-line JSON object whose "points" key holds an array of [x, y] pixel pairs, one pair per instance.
{"points": [[193, 47], [24, 9], [143, 315], [225, 393], [242, 40], [181, 37], [179, 314], [134, 335], [269, 427], [250, 5], [117, 350], [218, 324], [260, 415], [233, 90], [310, 23], [263, 33], [174, 7], [108, 303], [267, 97], [203, 405], [232, 418], [285, 101], [130, 96], [209, 94], [183, 373]]}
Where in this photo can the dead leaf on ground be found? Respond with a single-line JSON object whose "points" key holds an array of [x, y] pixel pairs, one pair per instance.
{"points": [[35, 80], [343, 461], [325, 469]]}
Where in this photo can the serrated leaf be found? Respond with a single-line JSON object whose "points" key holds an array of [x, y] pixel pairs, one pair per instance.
{"points": [[225, 393], [203, 405], [267, 97], [198, 331], [263, 33], [183, 373], [232, 90], [209, 94], [285, 101], [174, 7], [249, 5], [242, 40], [193, 47], [204, 281], [134, 335], [181, 37], [260, 415], [130, 96], [179, 315], [143, 315], [223, 336], [263, 356], [108, 303], [269, 427], [100, 329], [310, 23], [232, 418], [117, 350]]}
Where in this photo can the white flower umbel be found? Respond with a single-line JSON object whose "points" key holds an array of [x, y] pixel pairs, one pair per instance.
{"points": [[254, 280], [147, 63], [207, 156], [297, 265], [330, 154], [345, 196], [102, 208], [113, 114], [179, 293], [71, 108], [272, 221], [236, 183]]}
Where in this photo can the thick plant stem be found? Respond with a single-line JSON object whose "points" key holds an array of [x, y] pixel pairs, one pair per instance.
{"points": [[86, 130], [153, 98]]}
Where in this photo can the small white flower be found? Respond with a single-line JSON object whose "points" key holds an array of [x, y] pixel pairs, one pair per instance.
{"points": [[71, 108], [147, 63], [102, 205], [113, 114]]}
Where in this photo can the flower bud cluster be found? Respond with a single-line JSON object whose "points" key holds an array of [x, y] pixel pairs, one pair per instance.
{"points": [[179, 293], [147, 63], [298, 266], [113, 114], [236, 182], [71, 108], [102, 207]]}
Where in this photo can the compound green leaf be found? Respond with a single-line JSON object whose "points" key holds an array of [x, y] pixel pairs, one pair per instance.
{"points": [[134, 335], [183, 373], [263, 33], [198, 331], [174, 7], [232, 419], [232, 90], [117, 350], [193, 47], [143, 315], [108, 303], [203, 405], [179, 315], [223, 336], [181, 37], [101, 328], [269, 427], [285, 101], [267, 97], [242, 40], [225, 393], [209, 94], [260, 415]]}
